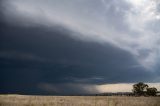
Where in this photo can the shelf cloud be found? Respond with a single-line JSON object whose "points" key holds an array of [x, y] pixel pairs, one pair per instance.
{"points": [[79, 42], [129, 25]]}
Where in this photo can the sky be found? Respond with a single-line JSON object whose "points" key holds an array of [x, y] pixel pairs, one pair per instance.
{"points": [[78, 46]]}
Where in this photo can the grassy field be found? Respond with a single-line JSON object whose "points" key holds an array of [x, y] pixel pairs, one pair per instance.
{"points": [[23, 100]]}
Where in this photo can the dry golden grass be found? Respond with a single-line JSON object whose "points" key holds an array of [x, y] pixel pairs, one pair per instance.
{"points": [[23, 100]]}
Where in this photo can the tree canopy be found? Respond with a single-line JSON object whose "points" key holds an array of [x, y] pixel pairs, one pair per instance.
{"points": [[142, 89], [151, 91]]}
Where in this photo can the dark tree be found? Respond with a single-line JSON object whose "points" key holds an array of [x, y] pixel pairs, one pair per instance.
{"points": [[151, 91], [140, 88]]}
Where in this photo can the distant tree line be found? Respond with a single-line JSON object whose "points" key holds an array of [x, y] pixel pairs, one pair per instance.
{"points": [[142, 89]]}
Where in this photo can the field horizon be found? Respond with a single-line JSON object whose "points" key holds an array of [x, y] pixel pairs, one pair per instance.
{"points": [[37, 100]]}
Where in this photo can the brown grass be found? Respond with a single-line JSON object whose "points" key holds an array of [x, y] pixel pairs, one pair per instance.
{"points": [[22, 100]]}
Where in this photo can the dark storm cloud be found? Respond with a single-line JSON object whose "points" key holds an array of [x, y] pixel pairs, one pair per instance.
{"points": [[76, 49], [31, 56], [120, 23]]}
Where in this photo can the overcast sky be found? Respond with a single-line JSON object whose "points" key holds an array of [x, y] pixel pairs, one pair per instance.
{"points": [[78, 46]]}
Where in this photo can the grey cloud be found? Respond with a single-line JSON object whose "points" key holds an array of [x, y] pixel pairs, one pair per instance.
{"points": [[42, 48], [115, 13], [71, 61], [70, 88], [15, 55], [120, 23]]}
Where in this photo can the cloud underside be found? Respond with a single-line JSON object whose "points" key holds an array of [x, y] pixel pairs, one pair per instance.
{"points": [[34, 59], [79, 45]]}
